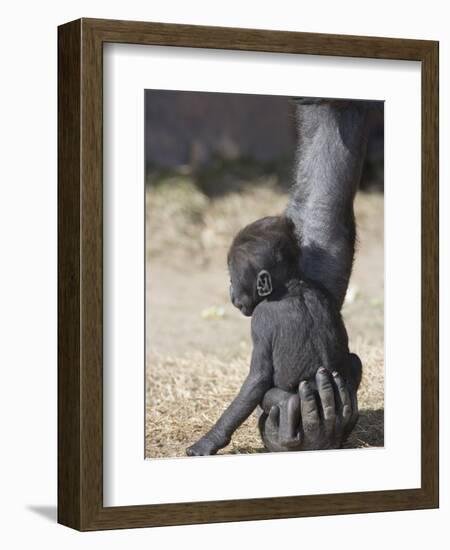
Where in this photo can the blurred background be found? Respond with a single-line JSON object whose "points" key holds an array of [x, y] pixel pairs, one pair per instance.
{"points": [[216, 136], [214, 163]]}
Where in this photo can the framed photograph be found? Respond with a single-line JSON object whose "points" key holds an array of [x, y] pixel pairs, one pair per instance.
{"points": [[248, 274]]}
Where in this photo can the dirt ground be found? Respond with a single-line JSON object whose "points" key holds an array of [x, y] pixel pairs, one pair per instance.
{"points": [[198, 345]]}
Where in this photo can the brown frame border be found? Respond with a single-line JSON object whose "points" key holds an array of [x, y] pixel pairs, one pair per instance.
{"points": [[80, 300]]}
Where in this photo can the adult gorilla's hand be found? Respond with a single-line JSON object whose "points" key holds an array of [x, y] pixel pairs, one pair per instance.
{"points": [[319, 417]]}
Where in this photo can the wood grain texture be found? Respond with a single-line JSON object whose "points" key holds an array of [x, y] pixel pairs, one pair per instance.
{"points": [[430, 272], [69, 244], [80, 265]]}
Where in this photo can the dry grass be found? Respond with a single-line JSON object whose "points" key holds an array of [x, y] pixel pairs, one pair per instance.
{"points": [[186, 397], [369, 431]]}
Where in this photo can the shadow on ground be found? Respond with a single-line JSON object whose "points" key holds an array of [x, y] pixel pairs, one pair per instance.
{"points": [[369, 431], [47, 512]]}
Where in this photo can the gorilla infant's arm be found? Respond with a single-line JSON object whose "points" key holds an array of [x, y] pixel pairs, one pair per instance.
{"points": [[258, 381]]}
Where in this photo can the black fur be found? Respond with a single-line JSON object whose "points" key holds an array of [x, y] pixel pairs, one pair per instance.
{"points": [[330, 153]]}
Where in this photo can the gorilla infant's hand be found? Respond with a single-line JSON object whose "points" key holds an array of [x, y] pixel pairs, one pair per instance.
{"points": [[311, 420], [207, 445], [204, 446]]}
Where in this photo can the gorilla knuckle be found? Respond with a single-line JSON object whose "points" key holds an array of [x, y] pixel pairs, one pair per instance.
{"points": [[346, 413], [329, 412], [312, 419], [305, 391]]}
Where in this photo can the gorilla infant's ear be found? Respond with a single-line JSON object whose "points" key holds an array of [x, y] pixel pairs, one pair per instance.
{"points": [[264, 283]]}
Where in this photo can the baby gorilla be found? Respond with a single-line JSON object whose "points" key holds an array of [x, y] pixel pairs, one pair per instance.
{"points": [[296, 330]]}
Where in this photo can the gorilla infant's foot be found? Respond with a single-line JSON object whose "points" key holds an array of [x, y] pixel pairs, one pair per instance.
{"points": [[203, 447], [280, 428]]}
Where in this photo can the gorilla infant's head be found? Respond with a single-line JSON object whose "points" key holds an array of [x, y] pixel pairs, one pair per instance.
{"points": [[262, 258]]}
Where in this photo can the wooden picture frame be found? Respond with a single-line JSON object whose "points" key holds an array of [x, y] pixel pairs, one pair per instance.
{"points": [[80, 272]]}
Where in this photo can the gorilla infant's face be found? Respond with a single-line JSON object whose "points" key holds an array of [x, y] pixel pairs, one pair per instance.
{"points": [[261, 257], [242, 290]]}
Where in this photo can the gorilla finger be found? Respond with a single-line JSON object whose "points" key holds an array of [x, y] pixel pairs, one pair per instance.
{"points": [[327, 401], [355, 411], [268, 426], [326, 394], [344, 398], [308, 407], [290, 421], [355, 370], [274, 416], [348, 427]]}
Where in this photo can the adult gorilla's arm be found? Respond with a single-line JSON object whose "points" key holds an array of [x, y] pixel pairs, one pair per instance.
{"points": [[332, 138]]}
